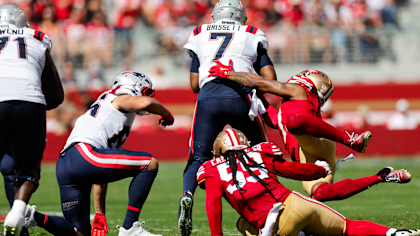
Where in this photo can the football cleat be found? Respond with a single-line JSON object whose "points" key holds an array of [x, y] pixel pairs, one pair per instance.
{"points": [[185, 214], [403, 232], [29, 216], [13, 224], [398, 176], [358, 142], [135, 230]]}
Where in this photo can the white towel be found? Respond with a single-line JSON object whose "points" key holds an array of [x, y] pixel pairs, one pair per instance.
{"points": [[271, 220], [257, 106]]}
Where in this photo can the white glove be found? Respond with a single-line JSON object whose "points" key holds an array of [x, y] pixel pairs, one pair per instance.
{"points": [[325, 165]]}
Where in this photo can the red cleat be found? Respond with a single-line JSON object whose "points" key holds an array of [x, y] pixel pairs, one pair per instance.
{"points": [[358, 142], [398, 176]]}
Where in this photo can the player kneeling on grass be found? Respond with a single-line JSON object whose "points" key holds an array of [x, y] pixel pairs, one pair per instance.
{"points": [[306, 136], [92, 156], [246, 177]]}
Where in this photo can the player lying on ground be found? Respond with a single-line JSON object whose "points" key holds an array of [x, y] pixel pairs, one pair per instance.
{"points": [[306, 136], [30, 85], [92, 156], [245, 177]]}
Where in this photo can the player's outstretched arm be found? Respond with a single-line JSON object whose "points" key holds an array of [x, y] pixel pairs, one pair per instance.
{"points": [[300, 171], [127, 103], [214, 192], [251, 80], [51, 83]]}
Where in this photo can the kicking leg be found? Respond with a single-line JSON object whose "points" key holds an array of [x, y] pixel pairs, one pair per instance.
{"points": [[314, 126]]}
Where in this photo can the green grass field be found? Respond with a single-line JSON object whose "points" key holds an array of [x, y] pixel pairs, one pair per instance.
{"points": [[394, 205]]}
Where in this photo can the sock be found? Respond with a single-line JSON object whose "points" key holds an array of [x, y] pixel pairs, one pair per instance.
{"points": [[363, 227], [190, 176], [55, 225], [137, 194], [314, 126], [19, 206], [9, 186], [344, 188]]}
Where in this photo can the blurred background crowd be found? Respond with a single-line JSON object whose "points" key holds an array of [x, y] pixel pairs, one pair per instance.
{"points": [[368, 41]]}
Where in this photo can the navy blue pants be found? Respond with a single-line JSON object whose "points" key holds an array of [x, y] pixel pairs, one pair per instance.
{"points": [[83, 165], [22, 129], [210, 117]]}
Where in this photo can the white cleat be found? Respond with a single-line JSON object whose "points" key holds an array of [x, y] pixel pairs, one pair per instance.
{"points": [[13, 224], [135, 230], [29, 216], [403, 232]]}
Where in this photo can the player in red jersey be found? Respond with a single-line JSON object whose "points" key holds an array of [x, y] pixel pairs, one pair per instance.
{"points": [[246, 177], [306, 136]]}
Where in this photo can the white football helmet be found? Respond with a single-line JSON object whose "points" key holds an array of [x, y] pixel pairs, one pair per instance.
{"points": [[141, 84], [229, 10], [13, 17]]}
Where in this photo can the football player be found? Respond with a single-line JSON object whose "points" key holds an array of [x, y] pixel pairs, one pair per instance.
{"points": [[306, 136], [221, 102], [92, 156], [246, 177], [30, 85]]}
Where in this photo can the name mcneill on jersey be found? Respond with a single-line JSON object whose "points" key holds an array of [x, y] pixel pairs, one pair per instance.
{"points": [[11, 31], [223, 27]]}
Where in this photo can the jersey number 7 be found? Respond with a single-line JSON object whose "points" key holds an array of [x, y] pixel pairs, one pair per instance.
{"points": [[227, 39]]}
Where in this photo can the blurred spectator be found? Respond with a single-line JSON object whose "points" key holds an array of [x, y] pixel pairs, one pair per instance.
{"points": [[75, 32], [402, 120], [99, 41], [360, 122], [95, 79], [66, 115], [328, 113], [125, 18], [67, 77], [160, 79]]}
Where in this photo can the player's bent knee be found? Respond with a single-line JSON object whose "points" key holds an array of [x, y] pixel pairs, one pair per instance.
{"points": [[320, 194], [154, 164], [295, 124], [246, 228]]}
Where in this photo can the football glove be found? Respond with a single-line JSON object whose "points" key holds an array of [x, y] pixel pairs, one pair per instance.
{"points": [[165, 121], [221, 70], [325, 165], [99, 226]]}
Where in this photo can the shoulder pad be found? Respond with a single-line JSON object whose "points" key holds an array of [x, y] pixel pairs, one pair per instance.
{"points": [[44, 38], [251, 29], [197, 30], [266, 148], [207, 169], [302, 81]]}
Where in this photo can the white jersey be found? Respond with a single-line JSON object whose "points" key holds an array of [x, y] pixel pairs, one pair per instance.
{"points": [[22, 60], [103, 125], [225, 42]]}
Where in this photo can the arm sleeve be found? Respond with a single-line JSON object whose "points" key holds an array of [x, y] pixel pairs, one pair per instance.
{"points": [[195, 63], [299, 171], [262, 59], [214, 192]]}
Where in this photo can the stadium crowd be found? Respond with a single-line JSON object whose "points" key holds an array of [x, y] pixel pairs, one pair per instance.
{"points": [[96, 34]]}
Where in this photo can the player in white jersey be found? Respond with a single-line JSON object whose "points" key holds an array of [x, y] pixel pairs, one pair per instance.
{"points": [[221, 102], [30, 85], [92, 156]]}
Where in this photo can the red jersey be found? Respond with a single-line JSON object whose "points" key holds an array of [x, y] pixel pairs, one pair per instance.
{"points": [[255, 201], [310, 106]]}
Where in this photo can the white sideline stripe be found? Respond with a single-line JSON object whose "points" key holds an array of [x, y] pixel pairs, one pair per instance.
{"points": [[111, 161]]}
